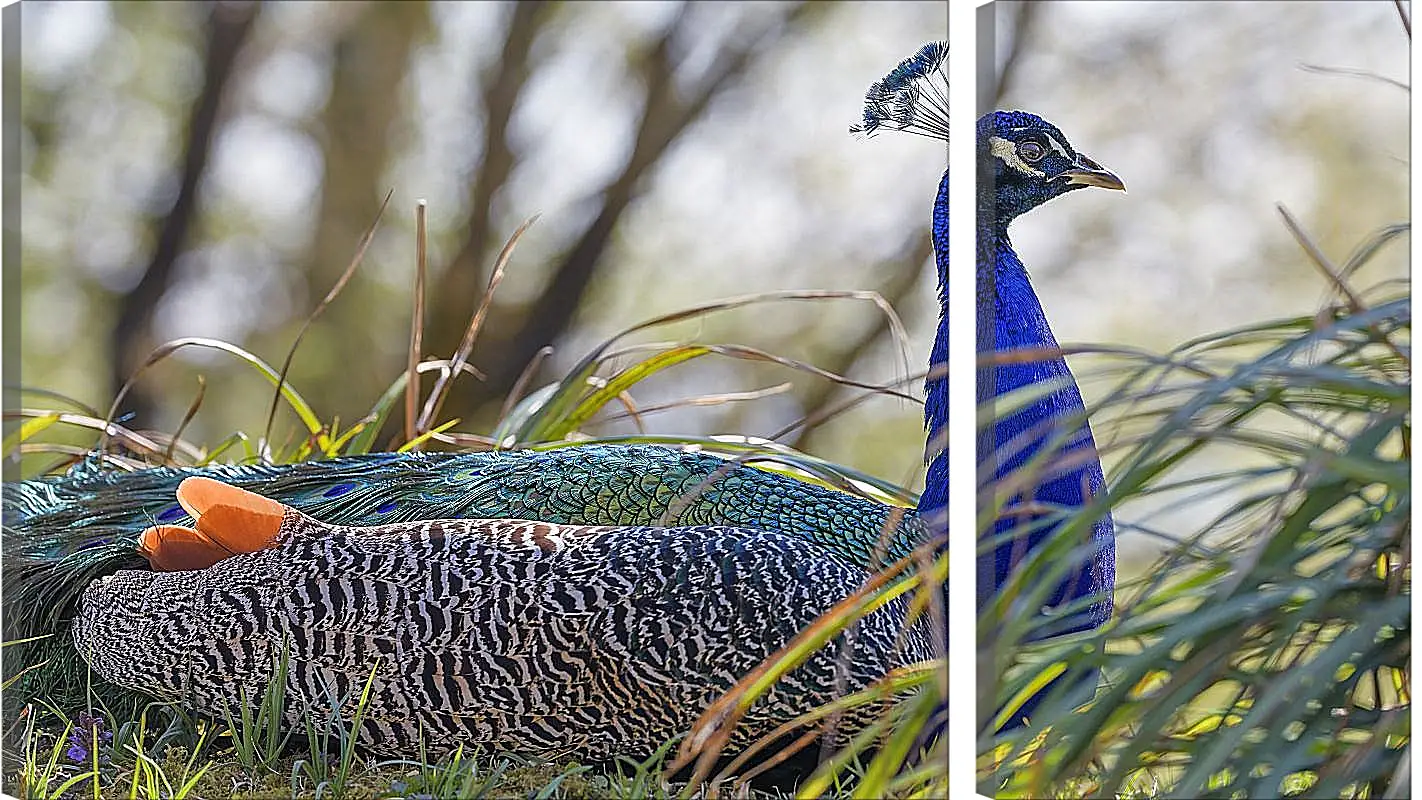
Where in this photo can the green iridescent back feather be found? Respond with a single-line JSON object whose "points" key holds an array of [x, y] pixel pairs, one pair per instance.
{"points": [[62, 533]]}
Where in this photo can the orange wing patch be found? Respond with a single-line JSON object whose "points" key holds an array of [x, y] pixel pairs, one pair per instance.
{"points": [[173, 548], [229, 521]]}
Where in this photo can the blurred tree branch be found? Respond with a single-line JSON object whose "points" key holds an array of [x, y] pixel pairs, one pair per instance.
{"points": [[515, 335], [229, 24], [501, 85], [1024, 16], [370, 61]]}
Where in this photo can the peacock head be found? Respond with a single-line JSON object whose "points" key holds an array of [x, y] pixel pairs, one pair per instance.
{"points": [[1024, 161]]}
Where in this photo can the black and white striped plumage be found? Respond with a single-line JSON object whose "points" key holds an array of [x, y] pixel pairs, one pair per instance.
{"points": [[524, 636]]}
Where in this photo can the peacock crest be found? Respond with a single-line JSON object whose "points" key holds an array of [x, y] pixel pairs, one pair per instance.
{"points": [[913, 97]]}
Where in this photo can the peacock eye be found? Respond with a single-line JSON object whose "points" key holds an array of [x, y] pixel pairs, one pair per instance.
{"points": [[1031, 152]]}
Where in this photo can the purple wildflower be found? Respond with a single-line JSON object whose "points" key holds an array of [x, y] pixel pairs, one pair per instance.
{"points": [[87, 734]]}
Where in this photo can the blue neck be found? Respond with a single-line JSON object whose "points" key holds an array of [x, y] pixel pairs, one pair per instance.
{"points": [[1010, 317], [933, 505]]}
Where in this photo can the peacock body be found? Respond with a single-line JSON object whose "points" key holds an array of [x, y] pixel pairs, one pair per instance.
{"points": [[525, 636], [62, 533], [594, 631]]}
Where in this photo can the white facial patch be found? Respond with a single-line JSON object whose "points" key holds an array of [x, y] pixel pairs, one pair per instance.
{"points": [[1007, 151], [1061, 151]]}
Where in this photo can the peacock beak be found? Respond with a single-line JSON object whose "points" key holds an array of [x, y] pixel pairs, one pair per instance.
{"points": [[1089, 173]]}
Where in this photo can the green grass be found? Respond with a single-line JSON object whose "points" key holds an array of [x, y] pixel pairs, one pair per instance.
{"points": [[197, 759], [1266, 652], [246, 755]]}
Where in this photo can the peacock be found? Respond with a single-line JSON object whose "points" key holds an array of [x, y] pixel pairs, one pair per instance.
{"points": [[527, 636], [588, 599], [1023, 161], [752, 529]]}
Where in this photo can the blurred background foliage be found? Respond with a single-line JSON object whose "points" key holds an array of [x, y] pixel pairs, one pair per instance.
{"points": [[207, 170]]}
